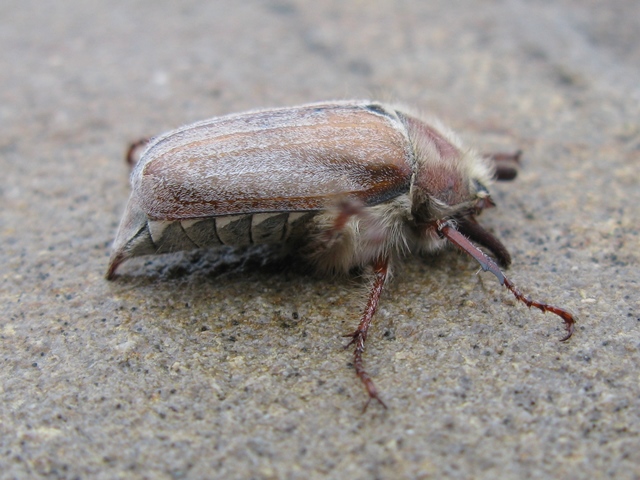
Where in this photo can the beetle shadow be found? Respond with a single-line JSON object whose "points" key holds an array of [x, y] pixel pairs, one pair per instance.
{"points": [[209, 266], [185, 282]]}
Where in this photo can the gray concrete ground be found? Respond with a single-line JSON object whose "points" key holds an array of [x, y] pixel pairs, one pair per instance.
{"points": [[196, 366]]}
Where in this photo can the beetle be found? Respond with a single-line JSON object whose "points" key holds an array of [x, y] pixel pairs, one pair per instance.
{"points": [[350, 184]]}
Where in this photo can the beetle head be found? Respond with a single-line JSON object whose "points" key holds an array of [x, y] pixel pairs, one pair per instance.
{"points": [[451, 184], [449, 179]]}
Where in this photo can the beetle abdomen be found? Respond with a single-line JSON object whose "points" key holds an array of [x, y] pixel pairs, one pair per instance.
{"points": [[232, 230]]}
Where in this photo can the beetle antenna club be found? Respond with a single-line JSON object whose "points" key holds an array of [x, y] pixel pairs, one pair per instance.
{"points": [[447, 229]]}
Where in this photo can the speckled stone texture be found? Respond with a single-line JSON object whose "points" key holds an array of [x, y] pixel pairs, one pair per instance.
{"points": [[203, 365]]}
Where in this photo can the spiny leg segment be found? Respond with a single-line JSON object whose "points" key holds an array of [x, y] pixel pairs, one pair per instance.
{"points": [[358, 338], [347, 209]]}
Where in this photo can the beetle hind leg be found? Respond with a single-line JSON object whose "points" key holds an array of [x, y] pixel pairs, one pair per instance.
{"points": [[359, 336], [132, 155]]}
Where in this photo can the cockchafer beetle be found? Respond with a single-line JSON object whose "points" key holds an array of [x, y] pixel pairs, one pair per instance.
{"points": [[350, 184]]}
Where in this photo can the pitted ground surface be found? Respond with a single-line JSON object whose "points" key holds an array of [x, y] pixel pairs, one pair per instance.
{"points": [[200, 366]]}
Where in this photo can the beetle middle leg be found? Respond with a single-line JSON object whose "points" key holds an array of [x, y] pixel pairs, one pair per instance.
{"points": [[358, 338], [346, 209]]}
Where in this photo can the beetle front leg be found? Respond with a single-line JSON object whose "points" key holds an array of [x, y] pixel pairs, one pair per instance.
{"points": [[380, 269]]}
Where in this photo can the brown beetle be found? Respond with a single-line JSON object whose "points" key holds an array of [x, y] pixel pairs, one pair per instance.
{"points": [[354, 184]]}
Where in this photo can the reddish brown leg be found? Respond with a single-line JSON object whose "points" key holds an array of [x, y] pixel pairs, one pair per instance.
{"points": [[380, 269], [371, 231], [131, 156], [347, 208], [114, 263], [506, 164]]}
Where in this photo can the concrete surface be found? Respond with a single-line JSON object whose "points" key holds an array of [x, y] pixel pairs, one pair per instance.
{"points": [[196, 366]]}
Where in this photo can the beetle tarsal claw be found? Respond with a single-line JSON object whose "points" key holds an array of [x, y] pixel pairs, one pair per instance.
{"points": [[353, 336]]}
